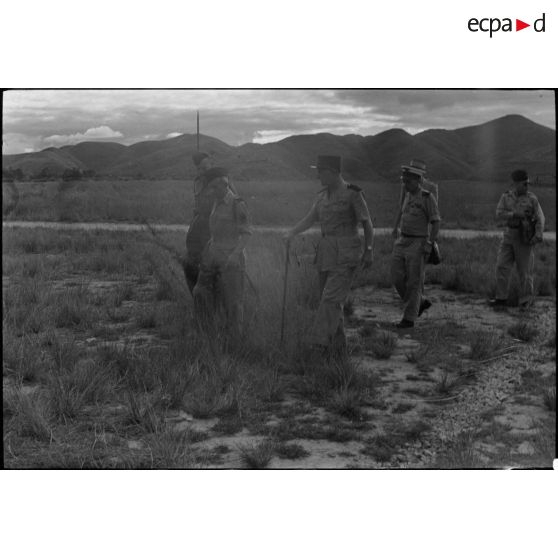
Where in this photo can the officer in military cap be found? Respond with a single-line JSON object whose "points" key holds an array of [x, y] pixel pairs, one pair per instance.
{"points": [[219, 291], [339, 208], [420, 224], [520, 212], [198, 232]]}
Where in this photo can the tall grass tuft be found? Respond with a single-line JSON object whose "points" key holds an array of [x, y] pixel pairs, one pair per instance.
{"points": [[549, 398], [28, 415], [524, 331], [382, 344], [484, 344], [257, 456]]}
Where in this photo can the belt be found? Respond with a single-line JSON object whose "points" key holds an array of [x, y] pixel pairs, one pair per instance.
{"points": [[413, 235], [340, 235]]}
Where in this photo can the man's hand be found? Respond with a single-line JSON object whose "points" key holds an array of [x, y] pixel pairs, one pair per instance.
{"points": [[427, 249], [519, 213], [395, 233], [367, 259], [536, 239]]}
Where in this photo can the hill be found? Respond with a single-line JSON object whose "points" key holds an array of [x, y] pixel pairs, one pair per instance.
{"points": [[483, 152]]}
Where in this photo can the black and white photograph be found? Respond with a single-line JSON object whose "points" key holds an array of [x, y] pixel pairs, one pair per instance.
{"points": [[279, 279]]}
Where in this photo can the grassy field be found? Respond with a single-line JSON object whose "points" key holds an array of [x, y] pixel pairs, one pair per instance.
{"points": [[101, 359], [462, 204]]}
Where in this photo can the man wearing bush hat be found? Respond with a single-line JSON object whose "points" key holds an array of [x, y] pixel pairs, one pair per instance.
{"points": [[426, 184], [520, 212], [339, 208], [198, 232], [420, 223]]}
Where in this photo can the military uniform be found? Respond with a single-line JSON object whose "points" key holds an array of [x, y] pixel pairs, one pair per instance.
{"points": [[220, 285], [198, 232], [337, 258], [512, 248], [407, 268]]}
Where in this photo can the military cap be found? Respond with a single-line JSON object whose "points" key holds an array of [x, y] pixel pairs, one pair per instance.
{"points": [[215, 172], [331, 162], [199, 156], [519, 175], [416, 166]]}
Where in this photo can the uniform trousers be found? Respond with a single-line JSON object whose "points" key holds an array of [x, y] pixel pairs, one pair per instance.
{"points": [[407, 273], [511, 251], [335, 285], [219, 298]]}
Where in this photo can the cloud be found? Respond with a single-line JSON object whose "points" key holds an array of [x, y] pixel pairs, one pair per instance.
{"points": [[93, 134], [44, 118]]}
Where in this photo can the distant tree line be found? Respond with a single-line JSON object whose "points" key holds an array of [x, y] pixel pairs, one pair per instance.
{"points": [[46, 173]]}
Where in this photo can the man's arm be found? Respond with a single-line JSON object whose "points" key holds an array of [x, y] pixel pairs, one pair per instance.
{"points": [[434, 230], [368, 255], [304, 224], [539, 225]]}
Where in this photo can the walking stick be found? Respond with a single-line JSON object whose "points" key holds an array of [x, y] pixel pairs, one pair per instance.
{"points": [[284, 296]]}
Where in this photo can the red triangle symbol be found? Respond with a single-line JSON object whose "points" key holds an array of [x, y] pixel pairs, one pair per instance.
{"points": [[519, 25]]}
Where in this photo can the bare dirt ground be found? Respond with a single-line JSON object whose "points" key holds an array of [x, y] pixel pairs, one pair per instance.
{"points": [[436, 404]]}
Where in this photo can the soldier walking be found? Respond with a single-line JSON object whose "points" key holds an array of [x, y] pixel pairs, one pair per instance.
{"points": [[520, 212], [339, 208], [420, 224], [198, 232], [219, 291]]}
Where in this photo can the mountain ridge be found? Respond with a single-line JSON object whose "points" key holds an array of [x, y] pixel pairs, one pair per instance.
{"points": [[484, 151]]}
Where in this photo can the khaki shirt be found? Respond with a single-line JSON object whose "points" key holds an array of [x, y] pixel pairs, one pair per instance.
{"points": [[419, 210], [228, 221], [339, 215], [511, 202]]}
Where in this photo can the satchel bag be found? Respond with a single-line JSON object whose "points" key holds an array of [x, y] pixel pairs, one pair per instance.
{"points": [[527, 229], [434, 258]]}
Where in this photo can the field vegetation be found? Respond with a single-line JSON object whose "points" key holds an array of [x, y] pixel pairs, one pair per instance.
{"points": [[103, 367], [465, 205]]}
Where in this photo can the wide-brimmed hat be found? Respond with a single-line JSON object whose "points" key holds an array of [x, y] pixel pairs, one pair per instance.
{"points": [[199, 156], [416, 166], [331, 162], [215, 172]]}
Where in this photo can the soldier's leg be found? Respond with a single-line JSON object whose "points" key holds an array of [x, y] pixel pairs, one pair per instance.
{"points": [[415, 276], [233, 299], [204, 294], [504, 264], [525, 261], [328, 324], [191, 269], [399, 268]]}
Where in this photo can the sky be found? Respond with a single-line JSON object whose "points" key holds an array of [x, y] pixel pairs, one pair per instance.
{"points": [[37, 119]]}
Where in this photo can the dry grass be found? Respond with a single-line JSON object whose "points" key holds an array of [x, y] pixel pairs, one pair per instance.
{"points": [[258, 455], [382, 344], [524, 331]]}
